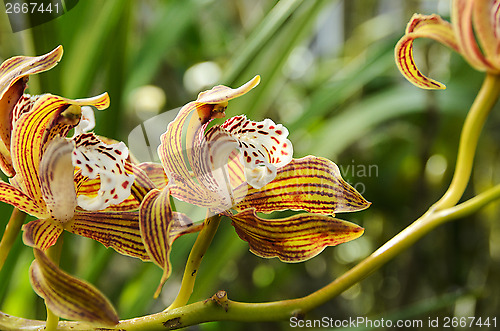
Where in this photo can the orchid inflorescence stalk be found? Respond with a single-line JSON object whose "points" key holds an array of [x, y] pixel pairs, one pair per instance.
{"points": [[239, 170]]}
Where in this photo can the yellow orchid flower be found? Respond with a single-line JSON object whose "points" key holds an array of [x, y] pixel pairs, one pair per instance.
{"points": [[61, 180], [242, 168], [474, 32]]}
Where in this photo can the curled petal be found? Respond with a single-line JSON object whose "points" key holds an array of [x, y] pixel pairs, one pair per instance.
{"points": [[160, 226], [14, 74], [35, 129], [155, 221], [184, 135], [313, 184], [293, 239], [15, 68], [87, 121], [67, 296], [220, 95], [263, 146], [422, 26], [15, 197], [118, 230], [41, 234], [462, 25], [486, 18], [94, 158], [56, 177]]}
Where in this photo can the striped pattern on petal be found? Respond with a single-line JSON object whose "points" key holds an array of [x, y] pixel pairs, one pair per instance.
{"points": [[33, 129], [463, 27], [293, 239], [486, 18], [190, 124], [41, 234], [69, 297], [14, 74], [313, 184], [56, 177], [155, 220], [155, 173], [17, 67], [422, 26], [13, 196], [118, 230], [160, 227]]}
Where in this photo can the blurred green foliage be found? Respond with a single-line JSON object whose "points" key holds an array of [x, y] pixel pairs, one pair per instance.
{"points": [[328, 74]]}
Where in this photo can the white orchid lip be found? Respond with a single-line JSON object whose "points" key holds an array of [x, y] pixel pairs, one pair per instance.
{"points": [[96, 158], [263, 145]]}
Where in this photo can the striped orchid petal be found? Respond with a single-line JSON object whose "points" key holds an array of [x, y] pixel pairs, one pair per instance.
{"points": [[463, 27], [313, 184], [41, 234], [293, 239], [56, 179], [486, 19], [35, 129], [15, 197], [190, 123], [422, 26], [142, 183], [118, 230], [67, 296], [14, 74], [155, 173], [160, 226], [95, 158]]}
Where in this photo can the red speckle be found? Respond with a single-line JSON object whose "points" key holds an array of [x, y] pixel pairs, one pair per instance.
{"points": [[271, 127], [125, 184], [118, 152], [284, 145], [284, 153], [115, 196], [249, 159], [78, 162], [279, 132], [89, 168]]}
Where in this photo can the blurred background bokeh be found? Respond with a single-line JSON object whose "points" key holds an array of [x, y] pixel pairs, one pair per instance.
{"points": [[328, 74]]}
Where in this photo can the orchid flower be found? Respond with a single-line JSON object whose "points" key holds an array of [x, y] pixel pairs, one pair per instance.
{"points": [[242, 168], [47, 172], [474, 32]]}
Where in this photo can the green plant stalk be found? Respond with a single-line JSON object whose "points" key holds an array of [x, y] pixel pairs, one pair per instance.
{"points": [[194, 260], [223, 309], [12, 229], [54, 253], [478, 113]]}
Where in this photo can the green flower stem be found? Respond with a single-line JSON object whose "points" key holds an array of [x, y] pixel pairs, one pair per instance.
{"points": [[219, 308], [12, 229], [194, 260], [478, 113], [54, 253]]}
